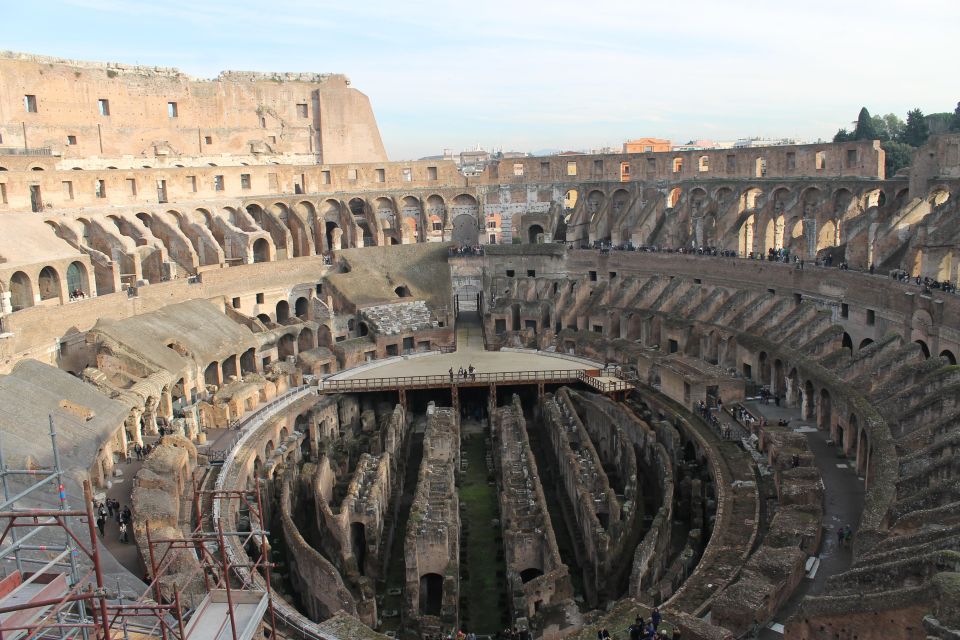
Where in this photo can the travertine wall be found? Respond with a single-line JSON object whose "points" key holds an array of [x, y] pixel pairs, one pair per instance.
{"points": [[276, 116]]}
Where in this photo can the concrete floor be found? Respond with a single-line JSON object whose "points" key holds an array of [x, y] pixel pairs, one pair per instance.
{"points": [[843, 504]]}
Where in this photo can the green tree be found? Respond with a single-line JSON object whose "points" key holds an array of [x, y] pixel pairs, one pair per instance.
{"points": [[898, 156], [865, 129], [955, 120], [880, 125], [894, 126], [842, 136], [916, 132]]}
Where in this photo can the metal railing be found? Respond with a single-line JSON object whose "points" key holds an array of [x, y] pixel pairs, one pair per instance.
{"points": [[447, 380]]}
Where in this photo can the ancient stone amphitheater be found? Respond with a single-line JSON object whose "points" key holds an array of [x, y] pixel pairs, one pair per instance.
{"points": [[553, 397]]}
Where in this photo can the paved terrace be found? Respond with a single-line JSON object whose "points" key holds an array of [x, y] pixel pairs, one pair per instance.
{"points": [[490, 367]]}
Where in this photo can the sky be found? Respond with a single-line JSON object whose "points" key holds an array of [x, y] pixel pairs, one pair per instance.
{"points": [[531, 75]]}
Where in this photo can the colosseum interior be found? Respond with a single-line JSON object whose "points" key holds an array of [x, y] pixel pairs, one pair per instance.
{"points": [[553, 397]]}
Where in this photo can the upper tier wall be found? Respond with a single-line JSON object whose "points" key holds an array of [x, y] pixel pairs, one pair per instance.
{"points": [[84, 109]]}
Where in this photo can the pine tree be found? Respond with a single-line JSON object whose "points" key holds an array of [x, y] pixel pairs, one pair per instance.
{"points": [[916, 132], [842, 136], [865, 129]]}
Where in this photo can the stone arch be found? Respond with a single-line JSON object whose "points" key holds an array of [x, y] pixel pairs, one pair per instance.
{"points": [[864, 343], [299, 234], [286, 346], [261, 250], [248, 361], [431, 594], [403, 291], [827, 234], [357, 206], [923, 347], [265, 319], [21, 291], [211, 375], [306, 340], [939, 196], [48, 283], [847, 342], [594, 202], [570, 199], [673, 199], [301, 307], [951, 358], [230, 367], [78, 282], [750, 199], [282, 311], [535, 234]]}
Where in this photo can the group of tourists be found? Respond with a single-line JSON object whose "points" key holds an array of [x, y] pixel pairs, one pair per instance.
{"points": [[111, 509], [463, 374], [844, 535], [142, 451], [928, 284], [465, 250], [77, 294]]}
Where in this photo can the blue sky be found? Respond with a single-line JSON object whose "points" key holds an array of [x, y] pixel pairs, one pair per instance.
{"points": [[529, 75]]}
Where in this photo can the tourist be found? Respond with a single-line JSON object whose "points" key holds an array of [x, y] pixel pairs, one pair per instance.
{"points": [[127, 515], [110, 507], [471, 371], [603, 634], [101, 520], [655, 618], [451, 374], [839, 536], [636, 629], [123, 532]]}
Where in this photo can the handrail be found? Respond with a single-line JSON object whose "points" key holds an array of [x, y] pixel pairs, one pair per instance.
{"points": [[445, 380]]}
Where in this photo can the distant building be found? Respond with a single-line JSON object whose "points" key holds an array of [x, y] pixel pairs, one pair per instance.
{"points": [[697, 145], [744, 143], [646, 145]]}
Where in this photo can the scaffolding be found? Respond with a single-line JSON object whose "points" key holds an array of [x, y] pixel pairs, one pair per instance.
{"points": [[56, 588]]}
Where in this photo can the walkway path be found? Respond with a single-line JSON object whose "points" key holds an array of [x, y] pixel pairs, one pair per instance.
{"points": [[843, 504]]}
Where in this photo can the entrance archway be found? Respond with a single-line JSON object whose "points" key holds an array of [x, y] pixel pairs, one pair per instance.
{"points": [[465, 230], [535, 234], [49, 283], [261, 250], [21, 291]]}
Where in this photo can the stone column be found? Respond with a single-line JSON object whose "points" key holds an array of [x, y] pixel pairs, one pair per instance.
{"points": [[132, 425]]}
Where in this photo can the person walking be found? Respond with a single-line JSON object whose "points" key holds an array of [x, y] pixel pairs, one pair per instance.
{"points": [[123, 532], [101, 521]]}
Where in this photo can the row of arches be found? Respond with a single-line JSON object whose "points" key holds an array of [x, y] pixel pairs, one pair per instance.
{"points": [[48, 284]]}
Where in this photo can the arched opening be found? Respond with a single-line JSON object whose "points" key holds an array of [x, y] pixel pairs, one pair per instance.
{"points": [[363, 329], [864, 343], [827, 235], [49, 283], [946, 353], [305, 341], [824, 416], [264, 318], [674, 198], [248, 362], [21, 291], [530, 574], [268, 449], [535, 234], [230, 368], [924, 348], [403, 292], [570, 199], [847, 342], [283, 311], [285, 346], [78, 285], [301, 307], [256, 212], [211, 375], [431, 594], [357, 206], [261, 250], [334, 236], [358, 543]]}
